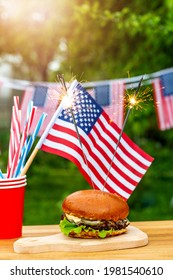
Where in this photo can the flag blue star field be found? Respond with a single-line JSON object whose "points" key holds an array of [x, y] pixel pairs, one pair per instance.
{"points": [[163, 93], [92, 146]]}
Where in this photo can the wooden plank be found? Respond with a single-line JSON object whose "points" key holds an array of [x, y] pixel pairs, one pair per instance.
{"points": [[59, 242]]}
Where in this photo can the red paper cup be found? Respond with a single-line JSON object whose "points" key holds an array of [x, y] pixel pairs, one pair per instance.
{"points": [[11, 210]]}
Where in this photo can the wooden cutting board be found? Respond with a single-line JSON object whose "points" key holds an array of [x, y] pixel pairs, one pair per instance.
{"points": [[59, 242]]}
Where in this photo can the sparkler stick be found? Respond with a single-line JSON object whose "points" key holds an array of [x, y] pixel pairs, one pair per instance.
{"points": [[132, 104], [62, 81]]}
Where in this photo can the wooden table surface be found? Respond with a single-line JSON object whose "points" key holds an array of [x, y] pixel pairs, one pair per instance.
{"points": [[160, 246]]}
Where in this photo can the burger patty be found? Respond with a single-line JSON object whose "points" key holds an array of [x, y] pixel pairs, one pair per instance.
{"points": [[107, 225], [102, 224]]}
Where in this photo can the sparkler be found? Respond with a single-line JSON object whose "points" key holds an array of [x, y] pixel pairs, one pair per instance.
{"points": [[137, 99], [132, 102], [69, 105]]}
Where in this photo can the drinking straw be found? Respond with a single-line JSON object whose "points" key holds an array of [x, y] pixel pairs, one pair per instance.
{"points": [[1, 174], [30, 144], [36, 131], [11, 148], [17, 113], [29, 120], [14, 131], [29, 110], [22, 142]]}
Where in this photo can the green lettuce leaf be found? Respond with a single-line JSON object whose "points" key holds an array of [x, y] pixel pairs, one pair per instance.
{"points": [[67, 227]]}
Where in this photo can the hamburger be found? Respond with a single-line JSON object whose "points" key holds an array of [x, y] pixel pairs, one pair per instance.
{"points": [[94, 214]]}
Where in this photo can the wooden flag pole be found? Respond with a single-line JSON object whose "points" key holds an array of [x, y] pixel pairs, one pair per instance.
{"points": [[29, 161]]}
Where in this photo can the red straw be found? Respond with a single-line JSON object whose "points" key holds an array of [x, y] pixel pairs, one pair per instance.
{"points": [[11, 148], [22, 142], [17, 117], [14, 132]]}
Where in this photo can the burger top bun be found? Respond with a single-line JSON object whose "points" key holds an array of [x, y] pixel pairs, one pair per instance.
{"points": [[95, 205]]}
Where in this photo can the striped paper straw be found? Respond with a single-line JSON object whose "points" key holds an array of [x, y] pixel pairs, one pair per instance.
{"points": [[35, 133], [11, 149], [29, 116], [22, 142], [30, 144], [29, 120], [17, 122], [14, 131]]}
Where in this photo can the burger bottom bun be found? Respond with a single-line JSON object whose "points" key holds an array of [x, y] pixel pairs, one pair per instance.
{"points": [[91, 234]]}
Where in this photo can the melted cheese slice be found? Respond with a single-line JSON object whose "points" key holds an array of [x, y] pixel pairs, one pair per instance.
{"points": [[74, 219], [78, 220]]}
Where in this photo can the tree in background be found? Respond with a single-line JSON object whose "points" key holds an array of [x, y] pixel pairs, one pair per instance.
{"points": [[110, 38], [90, 39], [33, 32]]}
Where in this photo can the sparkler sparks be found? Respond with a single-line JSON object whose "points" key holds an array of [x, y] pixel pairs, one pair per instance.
{"points": [[69, 101], [137, 101]]}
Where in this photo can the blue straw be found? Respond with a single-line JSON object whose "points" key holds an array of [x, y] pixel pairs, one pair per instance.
{"points": [[29, 145], [1, 174]]}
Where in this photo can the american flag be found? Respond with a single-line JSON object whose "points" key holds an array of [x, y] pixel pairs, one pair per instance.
{"points": [[46, 99], [163, 93], [98, 137], [110, 97]]}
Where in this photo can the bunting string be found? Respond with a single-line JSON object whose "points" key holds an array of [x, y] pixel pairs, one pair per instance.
{"points": [[108, 93], [130, 82]]}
